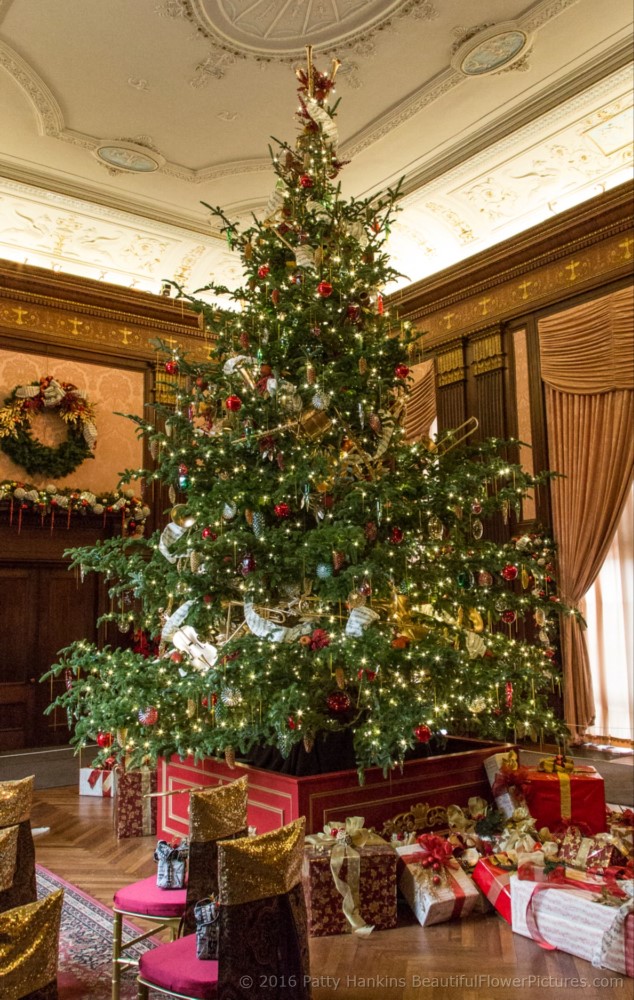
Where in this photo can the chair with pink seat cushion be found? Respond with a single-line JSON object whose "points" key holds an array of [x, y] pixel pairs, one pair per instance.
{"points": [[263, 934], [214, 813]]}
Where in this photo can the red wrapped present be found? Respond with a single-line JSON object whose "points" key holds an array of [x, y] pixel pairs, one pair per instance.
{"points": [[433, 883], [592, 922], [349, 880], [135, 811], [493, 875], [560, 793]]}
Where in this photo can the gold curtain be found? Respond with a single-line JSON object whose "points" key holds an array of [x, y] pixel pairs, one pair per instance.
{"points": [[421, 403], [587, 358]]}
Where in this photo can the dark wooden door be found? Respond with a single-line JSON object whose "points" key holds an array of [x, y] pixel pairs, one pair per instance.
{"points": [[43, 609]]}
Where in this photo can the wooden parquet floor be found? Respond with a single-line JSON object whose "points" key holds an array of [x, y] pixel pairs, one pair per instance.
{"points": [[475, 959]]}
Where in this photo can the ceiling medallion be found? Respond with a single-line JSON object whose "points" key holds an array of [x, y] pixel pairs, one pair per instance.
{"points": [[128, 156], [492, 50], [282, 30]]}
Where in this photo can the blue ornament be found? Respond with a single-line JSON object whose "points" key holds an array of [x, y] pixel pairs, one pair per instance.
{"points": [[324, 571]]}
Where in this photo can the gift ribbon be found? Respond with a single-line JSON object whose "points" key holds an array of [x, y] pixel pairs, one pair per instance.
{"points": [[421, 860], [621, 927], [146, 802], [342, 843], [94, 777]]}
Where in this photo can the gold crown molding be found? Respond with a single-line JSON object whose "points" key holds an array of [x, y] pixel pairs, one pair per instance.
{"points": [[36, 307], [598, 223]]}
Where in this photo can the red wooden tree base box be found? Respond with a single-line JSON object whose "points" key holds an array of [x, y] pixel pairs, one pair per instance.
{"points": [[275, 799]]}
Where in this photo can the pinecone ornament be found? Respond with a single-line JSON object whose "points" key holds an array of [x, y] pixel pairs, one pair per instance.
{"points": [[363, 366], [309, 743], [230, 757], [311, 374], [257, 523], [375, 423]]}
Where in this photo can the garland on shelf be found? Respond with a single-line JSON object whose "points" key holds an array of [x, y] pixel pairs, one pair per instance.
{"points": [[49, 501], [47, 395]]}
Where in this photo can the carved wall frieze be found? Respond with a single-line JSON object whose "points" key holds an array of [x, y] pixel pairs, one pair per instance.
{"points": [[582, 248], [33, 310]]}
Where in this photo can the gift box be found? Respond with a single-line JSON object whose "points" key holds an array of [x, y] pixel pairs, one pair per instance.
{"points": [[349, 877], [493, 875], [435, 895], [605, 850], [96, 781], [500, 770], [135, 811], [569, 794], [591, 923]]}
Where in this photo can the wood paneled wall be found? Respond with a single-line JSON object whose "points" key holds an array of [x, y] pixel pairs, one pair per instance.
{"points": [[479, 320]]}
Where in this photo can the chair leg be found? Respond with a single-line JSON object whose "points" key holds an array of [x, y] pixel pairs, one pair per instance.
{"points": [[142, 991], [116, 954]]}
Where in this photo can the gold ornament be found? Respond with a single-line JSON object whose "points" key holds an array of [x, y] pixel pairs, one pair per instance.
{"points": [[363, 366], [340, 678]]}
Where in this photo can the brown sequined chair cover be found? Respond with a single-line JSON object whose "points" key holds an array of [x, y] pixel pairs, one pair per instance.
{"points": [[29, 944], [15, 810], [214, 814], [263, 923]]}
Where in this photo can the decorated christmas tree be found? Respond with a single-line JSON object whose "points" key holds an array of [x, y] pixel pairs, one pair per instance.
{"points": [[317, 573]]}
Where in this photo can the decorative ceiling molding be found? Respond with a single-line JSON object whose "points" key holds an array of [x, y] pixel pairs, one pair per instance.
{"points": [[278, 32]]}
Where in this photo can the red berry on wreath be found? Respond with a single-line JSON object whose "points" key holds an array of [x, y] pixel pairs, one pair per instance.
{"points": [[233, 403], [422, 733], [324, 288]]}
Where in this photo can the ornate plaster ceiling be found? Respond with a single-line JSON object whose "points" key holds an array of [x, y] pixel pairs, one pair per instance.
{"points": [[119, 119]]}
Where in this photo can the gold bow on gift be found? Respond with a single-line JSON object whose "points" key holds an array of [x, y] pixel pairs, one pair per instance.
{"points": [[557, 765], [463, 821], [519, 832], [342, 842], [509, 761]]}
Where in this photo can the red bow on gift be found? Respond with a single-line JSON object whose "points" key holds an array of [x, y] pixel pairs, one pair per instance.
{"points": [[437, 852], [625, 818], [510, 778]]}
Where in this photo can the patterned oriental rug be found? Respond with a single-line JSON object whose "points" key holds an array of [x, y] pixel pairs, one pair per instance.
{"points": [[85, 945]]}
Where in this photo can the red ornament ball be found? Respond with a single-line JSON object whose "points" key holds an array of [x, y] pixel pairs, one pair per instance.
{"points": [[208, 533], [282, 510], [291, 723], [263, 271], [422, 733], [509, 617], [396, 536], [171, 367], [476, 507], [104, 740], [148, 716], [306, 181], [208, 599], [510, 572], [324, 288], [401, 371], [370, 675], [233, 403], [338, 702], [176, 656]]}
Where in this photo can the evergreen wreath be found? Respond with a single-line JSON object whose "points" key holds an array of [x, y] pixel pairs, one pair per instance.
{"points": [[47, 395]]}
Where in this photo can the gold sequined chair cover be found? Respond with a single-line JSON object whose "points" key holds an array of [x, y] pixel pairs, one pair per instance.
{"points": [[214, 814], [16, 798], [263, 923], [29, 945]]}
